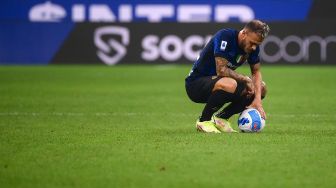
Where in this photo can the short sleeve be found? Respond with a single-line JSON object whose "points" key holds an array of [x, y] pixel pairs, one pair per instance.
{"points": [[222, 44], [254, 57]]}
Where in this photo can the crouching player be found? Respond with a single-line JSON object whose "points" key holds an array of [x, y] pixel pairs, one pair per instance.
{"points": [[214, 81]]}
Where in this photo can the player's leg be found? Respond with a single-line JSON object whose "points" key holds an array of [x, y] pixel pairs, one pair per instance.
{"points": [[240, 104], [234, 93], [222, 92], [199, 91], [225, 90], [215, 92]]}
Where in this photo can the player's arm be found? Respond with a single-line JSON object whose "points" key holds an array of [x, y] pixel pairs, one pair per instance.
{"points": [[223, 70], [257, 79]]}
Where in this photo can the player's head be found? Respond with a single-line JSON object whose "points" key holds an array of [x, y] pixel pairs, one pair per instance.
{"points": [[252, 35]]}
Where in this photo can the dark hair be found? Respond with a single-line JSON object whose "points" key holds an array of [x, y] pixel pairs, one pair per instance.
{"points": [[258, 27]]}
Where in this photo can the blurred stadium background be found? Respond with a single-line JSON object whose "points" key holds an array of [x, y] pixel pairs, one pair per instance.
{"points": [[156, 32], [125, 120]]}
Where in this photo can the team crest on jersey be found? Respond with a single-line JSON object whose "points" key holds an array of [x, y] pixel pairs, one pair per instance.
{"points": [[241, 59]]}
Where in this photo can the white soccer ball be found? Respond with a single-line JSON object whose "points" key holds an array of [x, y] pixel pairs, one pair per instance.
{"points": [[250, 120]]}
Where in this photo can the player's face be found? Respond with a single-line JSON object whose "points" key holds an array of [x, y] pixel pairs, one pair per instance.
{"points": [[250, 41]]}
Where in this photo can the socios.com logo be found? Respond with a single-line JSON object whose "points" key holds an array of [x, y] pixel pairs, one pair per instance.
{"points": [[110, 50], [303, 44]]}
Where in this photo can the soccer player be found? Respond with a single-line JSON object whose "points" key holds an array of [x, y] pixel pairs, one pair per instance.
{"points": [[214, 81]]}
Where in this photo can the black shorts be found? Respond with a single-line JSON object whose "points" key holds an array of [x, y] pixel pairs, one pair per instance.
{"points": [[200, 90]]}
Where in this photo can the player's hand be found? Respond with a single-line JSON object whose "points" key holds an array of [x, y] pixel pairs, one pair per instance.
{"points": [[249, 87], [262, 112], [259, 108]]}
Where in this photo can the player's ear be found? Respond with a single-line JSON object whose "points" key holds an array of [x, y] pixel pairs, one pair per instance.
{"points": [[245, 31]]}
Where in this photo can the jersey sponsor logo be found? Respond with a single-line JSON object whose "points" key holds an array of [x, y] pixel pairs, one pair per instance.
{"points": [[223, 45], [110, 50]]}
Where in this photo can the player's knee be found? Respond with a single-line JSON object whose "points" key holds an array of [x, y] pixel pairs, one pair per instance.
{"points": [[263, 89], [226, 84]]}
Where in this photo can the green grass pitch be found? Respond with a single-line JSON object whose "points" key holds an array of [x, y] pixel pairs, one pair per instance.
{"points": [[133, 126]]}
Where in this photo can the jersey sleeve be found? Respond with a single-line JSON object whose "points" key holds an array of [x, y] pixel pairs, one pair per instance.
{"points": [[254, 57], [222, 44]]}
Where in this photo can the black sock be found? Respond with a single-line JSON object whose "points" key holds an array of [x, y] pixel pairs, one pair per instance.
{"points": [[235, 107], [215, 102]]}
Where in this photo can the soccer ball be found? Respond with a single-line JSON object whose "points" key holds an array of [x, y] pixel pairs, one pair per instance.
{"points": [[250, 120]]}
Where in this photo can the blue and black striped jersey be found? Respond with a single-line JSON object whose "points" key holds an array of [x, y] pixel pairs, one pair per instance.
{"points": [[223, 44]]}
